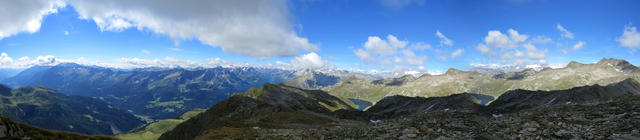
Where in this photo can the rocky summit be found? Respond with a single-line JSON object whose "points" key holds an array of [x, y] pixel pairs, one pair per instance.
{"points": [[269, 107]]}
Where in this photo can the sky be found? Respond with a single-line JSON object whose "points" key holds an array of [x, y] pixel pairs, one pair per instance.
{"points": [[365, 35]]}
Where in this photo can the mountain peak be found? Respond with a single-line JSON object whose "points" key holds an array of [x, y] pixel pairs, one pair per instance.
{"points": [[453, 71], [574, 64], [296, 98], [612, 60]]}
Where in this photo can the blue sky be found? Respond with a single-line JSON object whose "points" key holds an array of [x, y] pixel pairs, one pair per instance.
{"points": [[334, 32]]}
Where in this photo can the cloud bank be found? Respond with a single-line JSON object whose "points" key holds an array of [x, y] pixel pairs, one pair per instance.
{"points": [[257, 28], [25, 15]]}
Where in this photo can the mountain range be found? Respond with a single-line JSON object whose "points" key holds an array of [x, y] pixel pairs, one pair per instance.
{"points": [[149, 93], [150, 103], [575, 74], [283, 112]]}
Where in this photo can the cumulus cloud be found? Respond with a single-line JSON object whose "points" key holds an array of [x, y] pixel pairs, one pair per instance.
{"points": [[391, 52], [496, 39], [565, 32], [534, 53], [397, 4], [25, 15], [24, 62], [443, 39], [378, 46], [578, 46], [630, 37], [310, 61], [513, 48], [413, 59], [258, 28], [5, 59]]}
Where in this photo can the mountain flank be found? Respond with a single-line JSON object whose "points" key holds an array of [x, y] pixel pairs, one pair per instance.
{"points": [[49, 109], [595, 112]]}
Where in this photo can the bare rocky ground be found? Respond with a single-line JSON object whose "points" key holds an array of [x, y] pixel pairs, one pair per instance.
{"points": [[613, 119]]}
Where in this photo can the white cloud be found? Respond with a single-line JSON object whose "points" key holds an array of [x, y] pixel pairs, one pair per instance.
{"points": [[630, 37], [518, 53], [363, 55], [145, 51], [391, 53], [310, 61], [541, 40], [24, 62], [25, 15], [483, 49], [565, 32], [5, 59], [419, 46], [412, 59], [495, 39], [443, 39], [377, 46], [533, 53], [258, 28], [505, 48], [457, 53], [66, 32], [516, 37], [45, 60], [507, 56], [578, 46], [397, 4]]}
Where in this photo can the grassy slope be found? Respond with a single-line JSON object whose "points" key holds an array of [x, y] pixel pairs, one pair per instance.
{"points": [[39, 133], [153, 130]]}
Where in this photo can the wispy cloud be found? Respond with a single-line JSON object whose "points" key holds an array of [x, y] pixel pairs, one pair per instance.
{"points": [[443, 39], [565, 32]]}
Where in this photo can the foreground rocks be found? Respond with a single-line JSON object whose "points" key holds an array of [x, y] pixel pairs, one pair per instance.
{"points": [[615, 119]]}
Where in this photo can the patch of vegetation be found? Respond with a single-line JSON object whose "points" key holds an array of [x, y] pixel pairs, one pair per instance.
{"points": [[153, 130]]}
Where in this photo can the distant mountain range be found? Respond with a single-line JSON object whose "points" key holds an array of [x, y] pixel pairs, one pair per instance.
{"points": [[49, 109], [455, 81], [319, 79], [157, 94]]}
